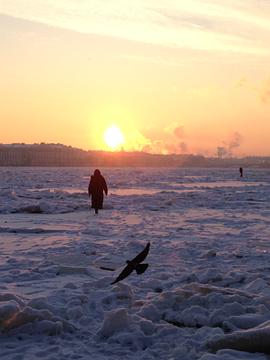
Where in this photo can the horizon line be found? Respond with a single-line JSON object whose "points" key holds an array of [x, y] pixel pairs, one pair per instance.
{"points": [[227, 157]]}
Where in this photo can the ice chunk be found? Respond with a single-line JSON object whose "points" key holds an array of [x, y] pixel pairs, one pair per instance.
{"points": [[209, 275], [8, 309], [253, 340], [195, 316], [246, 321], [48, 327], [232, 355], [114, 321], [233, 308], [8, 296], [31, 209], [123, 291], [259, 286], [27, 315], [71, 286], [147, 327], [39, 303], [75, 313], [150, 312]]}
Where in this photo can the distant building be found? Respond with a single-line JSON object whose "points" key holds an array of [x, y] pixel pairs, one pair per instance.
{"points": [[41, 155], [62, 155]]}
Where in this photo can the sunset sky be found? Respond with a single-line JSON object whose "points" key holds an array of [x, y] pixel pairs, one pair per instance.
{"points": [[174, 76]]}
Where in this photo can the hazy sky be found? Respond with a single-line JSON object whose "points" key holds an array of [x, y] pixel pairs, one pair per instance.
{"points": [[174, 76]]}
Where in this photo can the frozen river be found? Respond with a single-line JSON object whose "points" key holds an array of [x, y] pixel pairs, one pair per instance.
{"points": [[205, 295]]}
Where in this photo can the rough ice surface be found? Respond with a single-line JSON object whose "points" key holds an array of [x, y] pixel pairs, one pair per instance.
{"points": [[205, 294], [253, 340]]}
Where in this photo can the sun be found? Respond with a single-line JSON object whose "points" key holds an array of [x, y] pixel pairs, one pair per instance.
{"points": [[113, 137]]}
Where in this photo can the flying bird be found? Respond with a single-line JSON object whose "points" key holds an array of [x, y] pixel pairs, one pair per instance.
{"points": [[134, 264]]}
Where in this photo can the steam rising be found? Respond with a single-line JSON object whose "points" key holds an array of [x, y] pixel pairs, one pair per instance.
{"points": [[170, 141], [229, 147]]}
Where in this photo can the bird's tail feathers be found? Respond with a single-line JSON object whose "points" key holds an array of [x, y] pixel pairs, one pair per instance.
{"points": [[140, 268]]}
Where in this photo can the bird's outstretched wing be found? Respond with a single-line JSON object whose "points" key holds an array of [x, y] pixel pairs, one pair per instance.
{"points": [[123, 274], [142, 255], [140, 268], [134, 264]]}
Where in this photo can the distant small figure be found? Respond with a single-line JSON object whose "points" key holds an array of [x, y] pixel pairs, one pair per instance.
{"points": [[241, 171], [97, 186], [134, 264]]}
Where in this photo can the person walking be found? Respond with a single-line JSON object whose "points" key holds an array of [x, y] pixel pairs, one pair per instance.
{"points": [[241, 171], [96, 188]]}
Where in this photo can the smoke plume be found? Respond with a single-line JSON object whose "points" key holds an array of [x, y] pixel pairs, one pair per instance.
{"points": [[228, 147]]}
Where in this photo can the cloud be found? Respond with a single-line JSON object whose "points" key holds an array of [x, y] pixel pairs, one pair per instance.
{"points": [[235, 141], [174, 133], [165, 147], [135, 140], [175, 129], [226, 26], [230, 145], [170, 141]]}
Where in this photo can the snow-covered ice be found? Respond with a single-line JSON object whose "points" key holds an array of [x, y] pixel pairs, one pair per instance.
{"points": [[205, 295]]}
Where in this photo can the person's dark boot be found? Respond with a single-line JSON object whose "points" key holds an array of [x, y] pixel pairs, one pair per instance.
{"points": [[96, 211]]}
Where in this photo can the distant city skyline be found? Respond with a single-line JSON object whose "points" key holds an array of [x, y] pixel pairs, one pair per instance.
{"points": [[172, 77]]}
